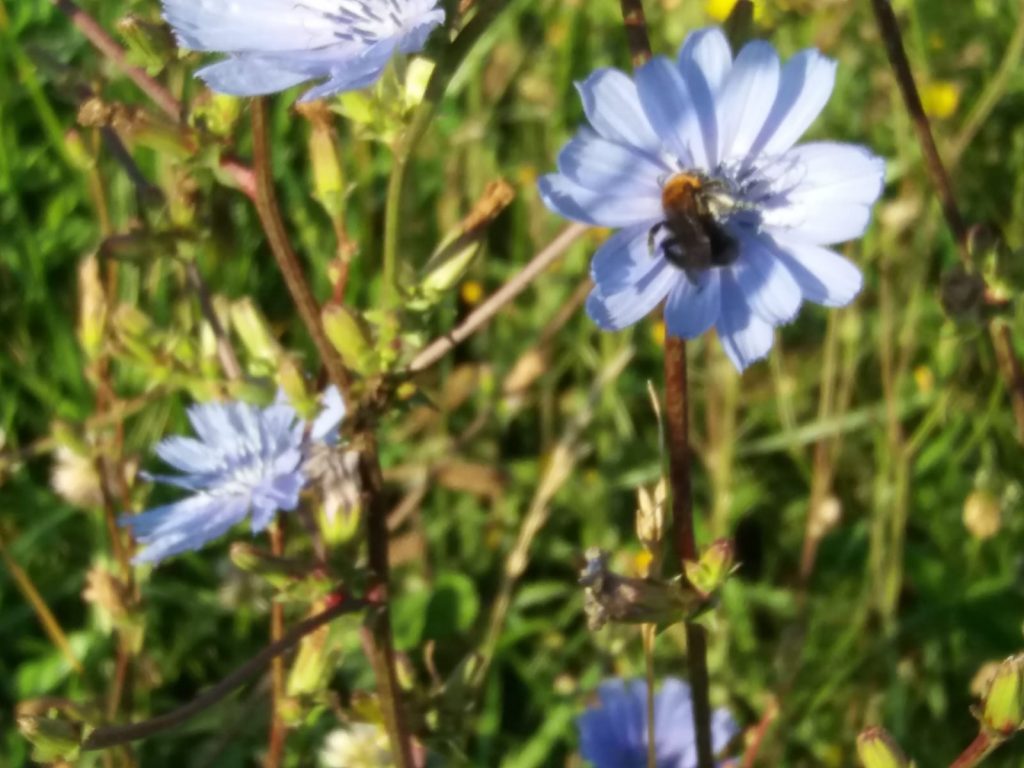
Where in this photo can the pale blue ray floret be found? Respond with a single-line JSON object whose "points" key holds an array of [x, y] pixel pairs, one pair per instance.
{"points": [[275, 44], [733, 124], [245, 461], [613, 734]]}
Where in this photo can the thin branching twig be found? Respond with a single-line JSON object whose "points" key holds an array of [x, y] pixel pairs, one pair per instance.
{"points": [[480, 316], [108, 736], [893, 39], [163, 98], [50, 624], [889, 28], [106, 45]]}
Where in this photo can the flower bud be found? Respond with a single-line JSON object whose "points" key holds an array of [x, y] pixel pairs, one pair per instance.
{"points": [[962, 293], [217, 113], [52, 738], [108, 594], [334, 472], [715, 565], [876, 749], [77, 152], [292, 382], [452, 259], [149, 45], [1003, 706], [313, 662], [348, 337], [449, 265], [328, 174], [74, 477], [650, 517], [254, 331], [982, 516], [92, 307], [417, 77]]}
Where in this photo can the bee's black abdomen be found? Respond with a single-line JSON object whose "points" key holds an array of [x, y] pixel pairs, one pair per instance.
{"points": [[724, 248]]}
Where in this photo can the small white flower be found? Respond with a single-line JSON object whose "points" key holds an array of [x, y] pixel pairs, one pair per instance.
{"points": [[360, 745], [275, 44]]}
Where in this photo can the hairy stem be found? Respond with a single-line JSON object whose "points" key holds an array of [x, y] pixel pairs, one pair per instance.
{"points": [[278, 728], [677, 420], [636, 32], [975, 752], [381, 648], [647, 633], [287, 261]]}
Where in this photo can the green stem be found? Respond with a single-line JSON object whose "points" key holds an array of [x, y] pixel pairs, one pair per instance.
{"points": [[647, 631], [410, 139], [50, 624]]}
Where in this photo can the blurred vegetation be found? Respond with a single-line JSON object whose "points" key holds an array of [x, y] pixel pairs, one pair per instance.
{"points": [[870, 471]]}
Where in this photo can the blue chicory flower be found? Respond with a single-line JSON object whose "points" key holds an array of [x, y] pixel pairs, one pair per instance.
{"points": [[247, 462], [614, 734], [275, 44], [721, 216]]}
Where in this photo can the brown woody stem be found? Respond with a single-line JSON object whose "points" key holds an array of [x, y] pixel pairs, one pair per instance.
{"points": [[677, 420], [287, 261], [678, 431]]}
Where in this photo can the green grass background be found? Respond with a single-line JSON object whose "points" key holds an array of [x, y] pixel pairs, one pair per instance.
{"points": [[890, 407]]}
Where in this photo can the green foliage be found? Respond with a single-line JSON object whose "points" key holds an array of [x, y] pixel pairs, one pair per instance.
{"points": [[846, 468]]}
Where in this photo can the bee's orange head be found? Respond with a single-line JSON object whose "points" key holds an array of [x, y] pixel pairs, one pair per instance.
{"points": [[679, 193]]}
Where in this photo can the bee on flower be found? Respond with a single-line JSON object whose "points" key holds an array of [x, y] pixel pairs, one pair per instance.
{"points": [[720, 214]]}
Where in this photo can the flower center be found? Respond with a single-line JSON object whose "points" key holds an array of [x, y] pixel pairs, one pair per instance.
{"points": [[365, 21]]}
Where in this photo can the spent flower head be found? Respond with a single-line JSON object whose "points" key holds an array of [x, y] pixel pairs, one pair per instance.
{"points": [[276, 44], [247, 461], [614, 733], [719, 214]]}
